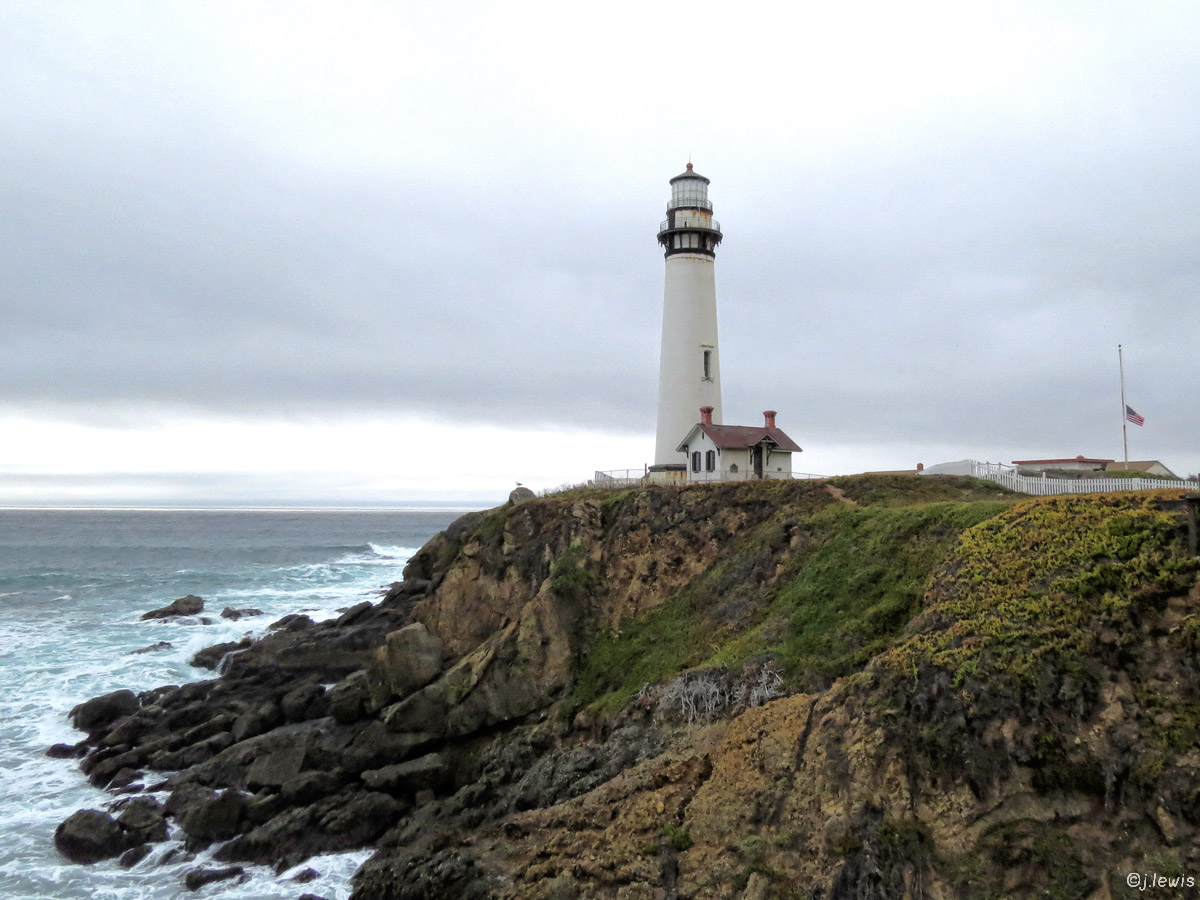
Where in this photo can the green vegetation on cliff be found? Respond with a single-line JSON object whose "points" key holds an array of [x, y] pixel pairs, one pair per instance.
{"points": [[820, 586]]}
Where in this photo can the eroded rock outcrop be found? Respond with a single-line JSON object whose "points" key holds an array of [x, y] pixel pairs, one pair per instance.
{"points": [[879, 688]]}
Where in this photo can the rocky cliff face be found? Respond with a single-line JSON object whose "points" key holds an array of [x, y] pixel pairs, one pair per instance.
{"points": [[873, 687]]}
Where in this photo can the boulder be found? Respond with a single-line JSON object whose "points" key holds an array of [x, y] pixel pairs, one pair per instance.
{"points": [[217, 817], [144, 821], [210, 657], [349, 697], [132, 857], [520, 494], [99, 712], [292, 622], [426, 772], [230, 613], [66, 751], [256, 721], [184, 606], [305, 702], [90, 835], [410, 659], [198, 878], [153, 648], [276, 769], [354, 613]]}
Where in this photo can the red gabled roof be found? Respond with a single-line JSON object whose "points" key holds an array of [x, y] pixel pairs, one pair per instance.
{"points": [[1046, 462], [739, 437]]}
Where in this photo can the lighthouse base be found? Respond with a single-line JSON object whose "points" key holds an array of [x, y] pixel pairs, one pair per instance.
{"points": [[667, 473]]}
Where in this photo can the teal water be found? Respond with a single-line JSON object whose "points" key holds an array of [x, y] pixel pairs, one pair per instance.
{"points": [[73, 585]]}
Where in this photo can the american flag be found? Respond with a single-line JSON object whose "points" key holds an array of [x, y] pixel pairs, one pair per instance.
{"points": [[1134, 417]]}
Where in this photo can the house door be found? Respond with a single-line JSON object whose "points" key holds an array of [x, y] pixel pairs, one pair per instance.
{"points": [[756, 461]]}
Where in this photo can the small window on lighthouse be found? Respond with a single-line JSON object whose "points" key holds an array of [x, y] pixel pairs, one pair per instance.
{"points": [[708, 365]]}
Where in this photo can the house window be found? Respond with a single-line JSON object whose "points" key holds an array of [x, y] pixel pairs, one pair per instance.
{"points": [[733, 468], [708, 365], [710, 461], [696, 461]]}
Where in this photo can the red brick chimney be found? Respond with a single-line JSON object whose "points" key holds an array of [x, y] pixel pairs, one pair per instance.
{"points": [[769, 416], [706, 415]]}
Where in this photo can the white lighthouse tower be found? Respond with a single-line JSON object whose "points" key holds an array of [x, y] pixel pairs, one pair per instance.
{"points": [[689, 373]]}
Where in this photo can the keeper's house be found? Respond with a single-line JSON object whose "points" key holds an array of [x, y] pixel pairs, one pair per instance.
{"points": [[736, 452]]}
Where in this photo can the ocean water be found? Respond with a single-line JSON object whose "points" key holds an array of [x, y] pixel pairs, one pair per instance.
{"points": [[73, 585]]}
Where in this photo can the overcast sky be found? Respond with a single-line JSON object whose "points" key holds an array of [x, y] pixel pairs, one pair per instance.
{"points": [[360, 252]]}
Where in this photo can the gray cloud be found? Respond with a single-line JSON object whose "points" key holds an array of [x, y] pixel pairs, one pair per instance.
{"points": [[964, 270]]}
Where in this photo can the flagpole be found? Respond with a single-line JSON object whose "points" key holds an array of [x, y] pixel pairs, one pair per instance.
{"points": [[1124, 418]]}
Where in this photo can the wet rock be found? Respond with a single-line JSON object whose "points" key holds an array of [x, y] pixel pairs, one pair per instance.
{"points": [[124, 778], [215, 817], [304, 876], [230, 613], [354, 613], [144, 821], [293, 622], [184, 606], [198, 878], [153, 648], [210, 657], [99, 712], [90, 835], [133, 856], [341, 822], [66, 751]]}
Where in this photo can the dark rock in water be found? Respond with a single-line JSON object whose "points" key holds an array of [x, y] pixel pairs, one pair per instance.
{"points": [[90, 835], [230, 613], [102, 711], [184, 606], [153, 648], [216, 817], [66, 751], [304, 876], [144, 821], [293, 622], [353, 613], [341, 822], [210, 657], [124, 778], [311, 897], [198, 878], [133, 856]]}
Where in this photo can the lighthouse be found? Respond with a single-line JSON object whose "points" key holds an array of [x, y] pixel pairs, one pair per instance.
{"points": [[689, 366]]}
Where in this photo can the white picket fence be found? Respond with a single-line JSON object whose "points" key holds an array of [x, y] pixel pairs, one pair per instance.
{"points": [[1026, 484]]}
